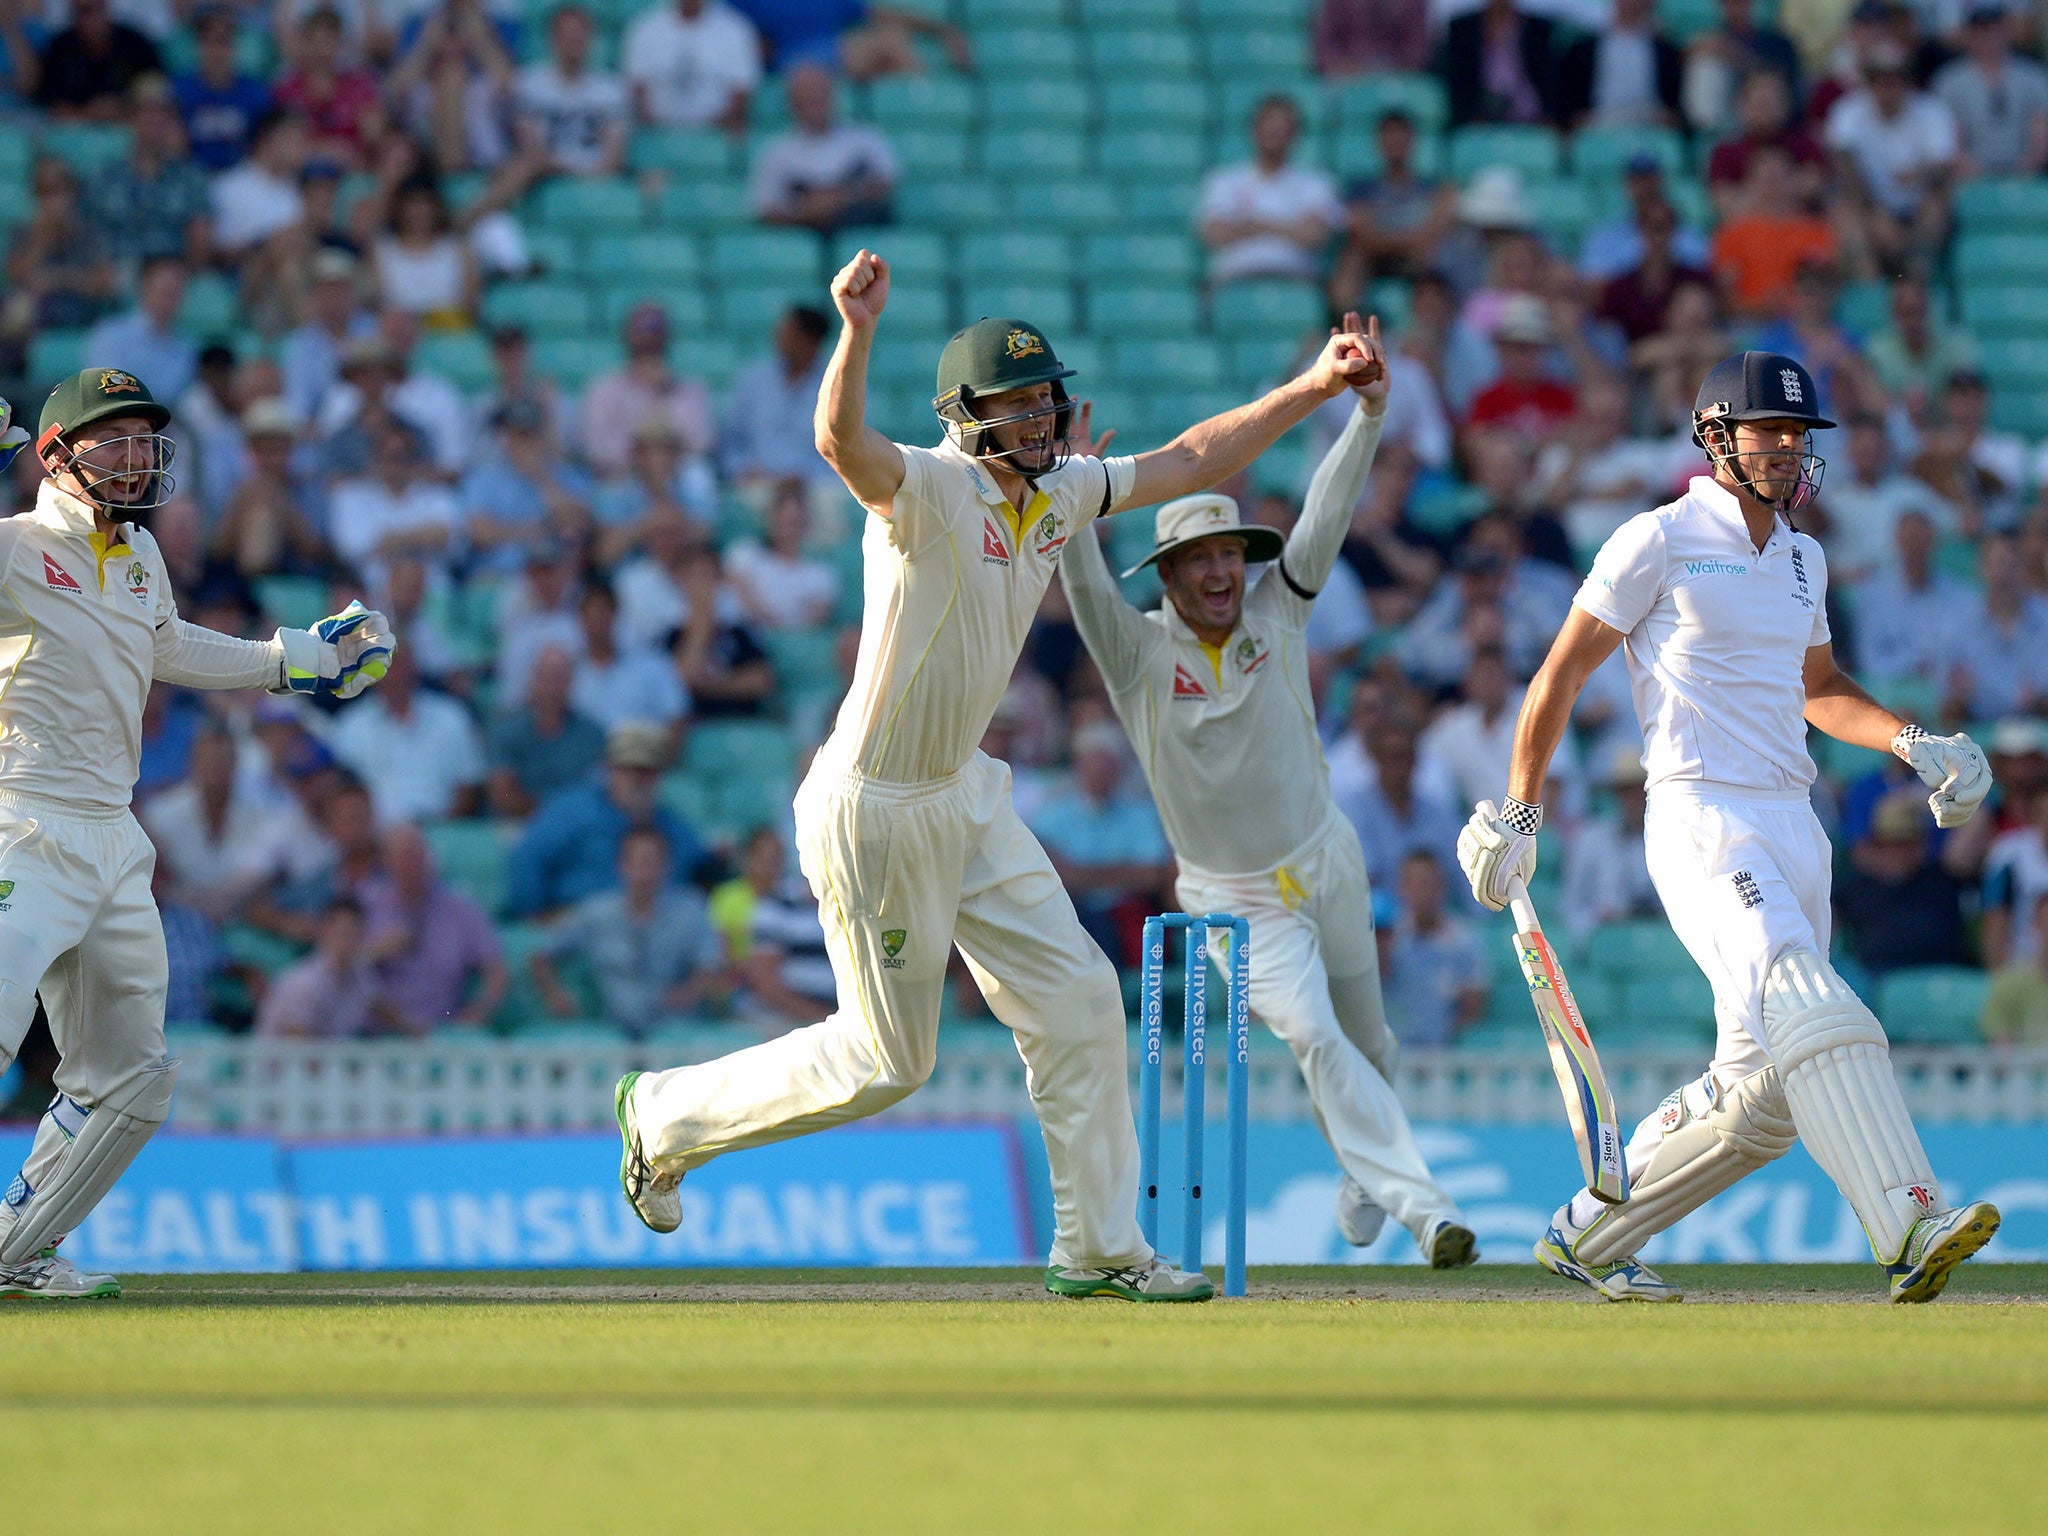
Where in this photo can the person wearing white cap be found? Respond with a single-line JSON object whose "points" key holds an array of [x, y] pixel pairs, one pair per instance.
{"points": [[1213, 689]]}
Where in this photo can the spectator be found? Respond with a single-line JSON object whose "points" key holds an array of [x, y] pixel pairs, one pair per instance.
{"points": [[1397, 219], [1669, 365], [524, 493], [144, 340], [1369, 37], [787, 975], [311, 353], [766, 435], [1864, 502], [418, 751], [220, 834], [1106, 843], [1757, 252], [661, 483], [1500, 64], [332, 994], [260, 196], [717, 654], [1637, 301], [1523, 402], [340, 101], [692, 64], [193, 954], [1978, 470], [1265, 217], [1599, 473], [2016, 1008], [1437, 969], [219, 103], [1807, 329], [437, 957], [1904, 610], [865, 40], [653, 602], [1394, 815], [212, 458], [1763, 114], [403, 598], [536, 609], [1898, 904], [155, 203], [1917, 352], [571, 846], [1998, 643], [649, 943], [452, 89], [733, 901], [340, 855], [572, 118], [542, 746], [513, 381], [421, 263], [60, 272], [1464, 754], [1619, 245], [264, 529], [1998, 99], [379, 371], [819, 173], [1896, 147], [397, 510], [1624, 76], [1718, 60], [617, 402], [1606, 868], [778, 585], [2015, 880], [616, 684], [85, 70]]}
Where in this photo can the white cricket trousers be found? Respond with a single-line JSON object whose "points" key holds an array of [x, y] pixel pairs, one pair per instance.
{"points": [[903, 873], [1315, 981]]}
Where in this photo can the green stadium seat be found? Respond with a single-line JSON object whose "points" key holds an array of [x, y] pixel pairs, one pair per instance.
{"points": [[1017, 256], [1684, 20], [2010, 308], [953, 205], [1154, 258], [589, 204], [1933, 1005], [683, 794], [1158, 103], [982, 15], [703, 205], [1564, 208], [1035, 100], [924, 305], [1532, 151], [1049, 306], [1159, 204], [544, 1030], [2021, 411], [1362, 102], [1254, 361], [1269, 308], [721, 749], [1081, 204], [920, 254], [655, 255], [906, 360], [51, 355], [1169, 364], [2005, 258], [1116, 56], [714, 359], [1443, 507], [543, 308], [1106, 15], [686, 305], [1087, 356], [2002, 203], [1136, 154], [258, 950], [2014, 361], [462, 357], [573, 361], [753, 308], [554, 252], [1275, 53], [767, 256], [212, 308], [1603, 153], [17, 202], [691, 152], [1049, 151], [85, 147], [1275, 14], [1666, 998], [1144, 309], [292, 602], [475, 857], [931, 152], [1637, 948], [930, 101], [1863, 308], [1048, 50]]}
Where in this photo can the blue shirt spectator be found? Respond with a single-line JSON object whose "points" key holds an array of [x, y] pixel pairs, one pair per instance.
{"points": [[522, 494], [142, 340], [219, 103], [1394, 815], [1106, 843], [1436, 966]]}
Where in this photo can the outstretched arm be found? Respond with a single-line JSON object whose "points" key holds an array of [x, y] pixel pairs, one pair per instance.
{"points": [[1339, 480], [868, 462]]}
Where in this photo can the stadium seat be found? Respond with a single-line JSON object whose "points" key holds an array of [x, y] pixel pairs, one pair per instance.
{"points": [[292, 602], [922, 254], [694, 152], [720, 749], [1143, 309], [665, 256], [924, 305], [1140, 258], [1998, 204], [926, 152], [1277, 53], [573, 361], [1080, 205], [2023, 412], [1117, 56], [1169, 363], [1269, 308], [544, 308], [706, 204], [554, 252], [1256, 361], [1035, 101], [1683, 20], [1142, 153], [51, 355], [931, 101], [2012, 309], [1104, 15], [1048, 49], [1635, 949], [2002, 258], [258, 950], [2009, 361], [1018, 256], [1049, 306], [589, 204], [953, 205], [767, 256], [752, 309], [474, 857], [1019, 149], [1238, 95], [1362, 102], [1564, 208], [1933, 1005], [804, 662], [981, 15], [1532, 151], [17, 202], [1159, 204], [1158, 103], [1601, 154], [686, 305], [85, 147], [1274, 14], [1666, 999], [211, 309], [1863, 309], [683, 794], [462, 357]]}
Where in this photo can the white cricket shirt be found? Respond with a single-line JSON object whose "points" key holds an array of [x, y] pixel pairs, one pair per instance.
{"points": [[1717, 635], [86, 624], [1227, 735], [951, 579]]}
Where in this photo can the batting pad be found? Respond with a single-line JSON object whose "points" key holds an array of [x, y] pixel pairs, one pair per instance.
{"points": [[1710, 1141], [93, 1149], [1837, 1067]]}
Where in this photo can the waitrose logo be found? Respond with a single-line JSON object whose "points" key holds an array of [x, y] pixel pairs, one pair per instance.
{"points": [[1715, 568]]}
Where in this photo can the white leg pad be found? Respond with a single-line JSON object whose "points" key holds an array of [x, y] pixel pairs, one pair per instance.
{"points": [[1837, 1067], [1710, 1141], [78, 1155]]}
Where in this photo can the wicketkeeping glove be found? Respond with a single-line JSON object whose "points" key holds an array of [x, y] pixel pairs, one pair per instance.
{"points": [[1952, 766], [12, 438], [341, 655], [1498, 844]]}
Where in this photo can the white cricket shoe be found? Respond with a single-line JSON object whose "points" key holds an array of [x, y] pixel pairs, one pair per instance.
{"points": [[50, 1276], [1155, 1280], [656, 1197], [1449, 1244], [1936, 1245], [1621, 1280], [1358, 1218]]}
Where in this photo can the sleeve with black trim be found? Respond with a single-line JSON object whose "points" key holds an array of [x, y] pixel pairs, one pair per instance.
{"points": [[1333, 493]]}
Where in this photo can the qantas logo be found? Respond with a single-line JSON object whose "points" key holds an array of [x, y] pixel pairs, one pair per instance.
{"points": [[1186, 685], [59, 578], [993, 551]]}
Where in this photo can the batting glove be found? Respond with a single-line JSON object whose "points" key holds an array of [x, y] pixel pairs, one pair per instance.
{"points": [[12, 438], [1497, 846], [341, 655], [1952, 766]]}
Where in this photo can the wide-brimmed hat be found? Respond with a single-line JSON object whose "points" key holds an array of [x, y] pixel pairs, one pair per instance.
{"points": [[1496, 199], [1190, 518]]}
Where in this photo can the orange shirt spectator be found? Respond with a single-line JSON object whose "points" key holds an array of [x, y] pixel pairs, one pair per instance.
{"points": [[1768, 237]]}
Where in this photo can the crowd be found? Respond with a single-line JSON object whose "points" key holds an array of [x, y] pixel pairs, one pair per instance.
{"points": [[594, 578]]}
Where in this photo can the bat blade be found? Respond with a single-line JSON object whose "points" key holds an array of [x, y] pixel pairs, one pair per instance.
{"points": [[1588, 1101]]}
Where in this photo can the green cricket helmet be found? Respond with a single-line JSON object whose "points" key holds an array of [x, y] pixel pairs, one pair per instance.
{"points": [[94, 395], [992, 357]]}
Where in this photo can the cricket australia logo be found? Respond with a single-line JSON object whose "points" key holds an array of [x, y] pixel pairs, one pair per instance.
{"points": [[1788, 380], [1746, 891], [1249, 657], [892, 948], [1049, 539], [138, 581], [6, 890]]}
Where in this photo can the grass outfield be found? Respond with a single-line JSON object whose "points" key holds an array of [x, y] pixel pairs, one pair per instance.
{"points": [[777, 1401]]}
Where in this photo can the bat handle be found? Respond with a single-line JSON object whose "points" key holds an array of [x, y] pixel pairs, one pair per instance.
{"points": [[1523, 908]]}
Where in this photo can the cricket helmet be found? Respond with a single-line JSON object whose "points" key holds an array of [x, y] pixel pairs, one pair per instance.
{"points": [[91, 396], [1760, 386], [992, 357]]}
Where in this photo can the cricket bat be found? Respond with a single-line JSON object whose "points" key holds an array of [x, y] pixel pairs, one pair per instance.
{"points": [[1588, 1101]]}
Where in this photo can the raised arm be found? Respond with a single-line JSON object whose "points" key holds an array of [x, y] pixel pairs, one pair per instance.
{"points": [[868, 462], [1114, 632], [1339, 480], [1216, 449]]}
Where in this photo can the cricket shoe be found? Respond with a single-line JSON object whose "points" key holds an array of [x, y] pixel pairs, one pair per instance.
{"points": [[1936, 1245], [1449, 1244], [1358, 1218], [1621, 1280], [1154, 1280], [655, 1197], [52, 1277]]}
